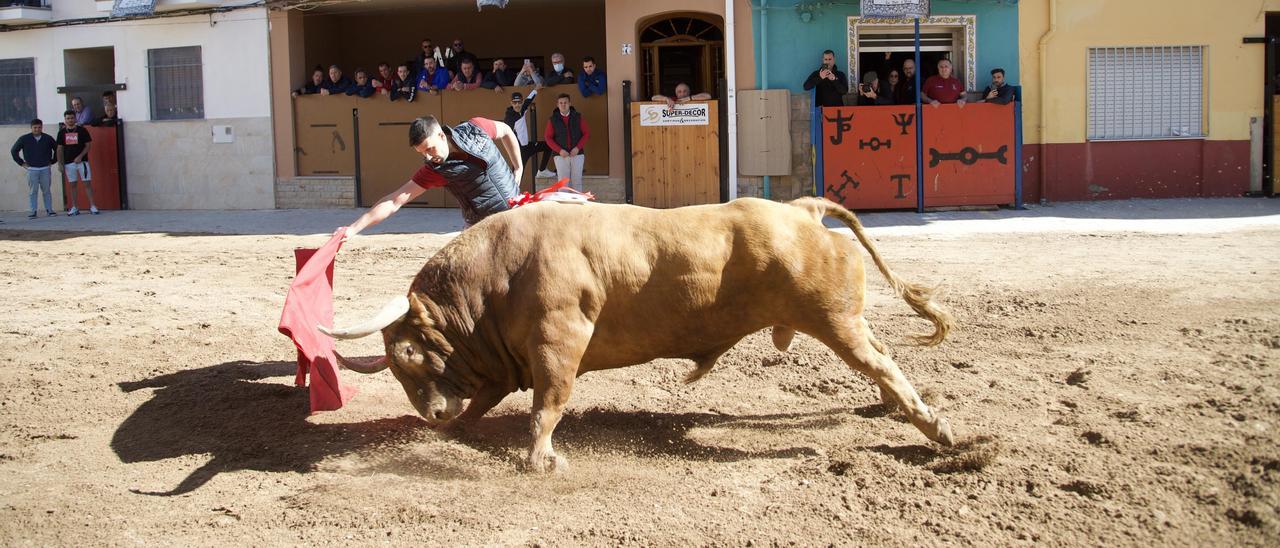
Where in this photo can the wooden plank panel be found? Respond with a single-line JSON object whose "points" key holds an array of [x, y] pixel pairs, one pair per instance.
{"points": [[674, 166], [386, 160], [324, 133], [764, 132]]}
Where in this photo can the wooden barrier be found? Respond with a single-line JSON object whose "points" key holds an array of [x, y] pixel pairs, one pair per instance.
{"points": [[869, 155], [968, 155], [104, 169], [675, 165], [326, 138], [386, 160], [324, 134]]}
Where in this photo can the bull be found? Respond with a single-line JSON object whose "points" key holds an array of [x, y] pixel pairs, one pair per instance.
{"points": [[535, 297]]}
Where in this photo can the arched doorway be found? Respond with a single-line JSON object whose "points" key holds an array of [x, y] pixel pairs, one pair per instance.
{"points": [[682, 47]]}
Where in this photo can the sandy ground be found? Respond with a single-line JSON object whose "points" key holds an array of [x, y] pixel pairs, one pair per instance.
{"points": [[1112, 386]]}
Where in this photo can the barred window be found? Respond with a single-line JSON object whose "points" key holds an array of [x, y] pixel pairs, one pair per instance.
{"points": [[1146, 93], [17, 90], [177, 83]]}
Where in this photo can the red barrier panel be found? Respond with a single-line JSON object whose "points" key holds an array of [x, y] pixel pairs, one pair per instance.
{"points": [[968, 155], [869, 156], [104, 168]]}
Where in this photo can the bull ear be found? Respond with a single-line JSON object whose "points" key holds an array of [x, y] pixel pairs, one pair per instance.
{"points": [[418, 311]]}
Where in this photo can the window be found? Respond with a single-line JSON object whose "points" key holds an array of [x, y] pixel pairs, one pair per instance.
{"points": [[177, 83], [17, 90], [1146, 93]]}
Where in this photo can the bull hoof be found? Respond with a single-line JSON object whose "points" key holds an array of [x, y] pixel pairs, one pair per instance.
{"points": [[942, 433], [548, 464]]}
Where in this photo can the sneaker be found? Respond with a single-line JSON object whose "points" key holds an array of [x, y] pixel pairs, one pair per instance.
{"points": [[544, 174], [73, 212], [32, 215], [50, 213], [94, 210]]}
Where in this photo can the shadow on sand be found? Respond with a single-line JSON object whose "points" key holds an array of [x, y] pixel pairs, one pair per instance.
{"points": [[229, 412]]}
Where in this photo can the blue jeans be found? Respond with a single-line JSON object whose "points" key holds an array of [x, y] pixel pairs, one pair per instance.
{"points": [[38, 180]]}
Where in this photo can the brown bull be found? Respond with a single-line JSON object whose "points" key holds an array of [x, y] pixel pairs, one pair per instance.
{"points": [[535, 297]]}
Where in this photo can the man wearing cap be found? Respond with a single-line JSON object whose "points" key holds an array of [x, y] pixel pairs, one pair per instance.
{"points": [[517, 116]]}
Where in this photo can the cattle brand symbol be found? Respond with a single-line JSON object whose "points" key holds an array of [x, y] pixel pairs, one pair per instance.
{"points": [[849, 180], [968, 156], [899, 178], [842, 125], [904, 120], [874, 144], [839, 191]]}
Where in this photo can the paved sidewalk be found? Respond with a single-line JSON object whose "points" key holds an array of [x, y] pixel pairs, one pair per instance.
{"points": [[1152, 216]]}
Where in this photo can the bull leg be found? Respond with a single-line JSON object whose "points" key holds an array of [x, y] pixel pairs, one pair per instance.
{"points": [[853, 345], [549, 400]]}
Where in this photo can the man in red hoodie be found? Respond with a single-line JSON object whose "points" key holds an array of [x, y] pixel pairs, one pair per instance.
{"points": [[567, 134]]}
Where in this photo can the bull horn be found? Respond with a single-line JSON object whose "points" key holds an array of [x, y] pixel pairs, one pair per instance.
{"points": [[391, 312], [366, 365]]}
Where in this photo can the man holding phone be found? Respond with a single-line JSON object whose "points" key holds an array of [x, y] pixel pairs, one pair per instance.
{"points": [[830, 83]]}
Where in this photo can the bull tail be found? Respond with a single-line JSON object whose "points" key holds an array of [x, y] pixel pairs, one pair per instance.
{"points": [[918, 297]]}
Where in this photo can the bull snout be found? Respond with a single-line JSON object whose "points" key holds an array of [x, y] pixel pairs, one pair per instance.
{"points": [[436, 408]]}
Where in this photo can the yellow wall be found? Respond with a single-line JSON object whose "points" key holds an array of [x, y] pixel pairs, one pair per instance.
{"points": [[621, 18], [1234, 69]]}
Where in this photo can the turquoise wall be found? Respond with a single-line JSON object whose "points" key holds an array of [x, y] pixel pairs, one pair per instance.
{"points": [[795, 47]]}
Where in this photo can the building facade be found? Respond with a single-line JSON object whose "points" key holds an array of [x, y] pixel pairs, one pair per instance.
{"points": [[1147, 98]]}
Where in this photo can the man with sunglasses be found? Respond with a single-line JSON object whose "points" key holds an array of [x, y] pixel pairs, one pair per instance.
{"points": [[456, 55]]}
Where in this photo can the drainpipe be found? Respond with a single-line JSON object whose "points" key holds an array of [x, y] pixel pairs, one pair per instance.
{"points": [[764, 69], [731, 93], [1044, 92]]}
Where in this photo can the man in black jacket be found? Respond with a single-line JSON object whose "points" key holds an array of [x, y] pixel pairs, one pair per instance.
{"points": [[499, 78], [38, 153], [831, 83]]}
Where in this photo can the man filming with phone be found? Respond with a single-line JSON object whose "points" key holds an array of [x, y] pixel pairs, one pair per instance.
{"points": [[830, 83]]}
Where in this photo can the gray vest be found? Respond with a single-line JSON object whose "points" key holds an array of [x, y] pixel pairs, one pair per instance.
{"points": [[481, 183]]}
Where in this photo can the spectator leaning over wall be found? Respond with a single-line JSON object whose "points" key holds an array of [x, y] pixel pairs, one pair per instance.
{"points": [[83, 114], [362, 87], [403, 87], [468, 77], [499, 78], [943, 87], [315, 85], [432, 77], [591, 81], [559, 74], [998, 92], [73, 160], [529, 75], [382, 80], [336, 84]]}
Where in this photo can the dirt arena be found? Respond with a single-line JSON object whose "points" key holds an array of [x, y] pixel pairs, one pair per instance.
{"points": [[1109, 388]]}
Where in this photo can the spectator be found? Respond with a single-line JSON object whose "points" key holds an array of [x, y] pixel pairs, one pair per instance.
{"points": [[315, 85], [591, 81], [682, 96], [998, 92], [499, 77], [943, 87], [39, 151], [403, 87], [468, 77], [478, 161], [831, 83], [455, 56], [529, 75], [429, 49], [559, 74], [336, 84], [566, 135], [383, 81], [517, 116], [869, 91], [361, 87], [83, 115], [73, 160], [907, 88], [110, 118], [433, 77], [892, 88]]}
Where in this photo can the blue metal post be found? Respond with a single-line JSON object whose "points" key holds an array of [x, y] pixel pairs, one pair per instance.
{"points": [[816, 139], [919, 130], [1017, 155]]}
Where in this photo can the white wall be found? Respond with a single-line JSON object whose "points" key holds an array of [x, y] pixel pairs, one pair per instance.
{"points": [[234, 55]]}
